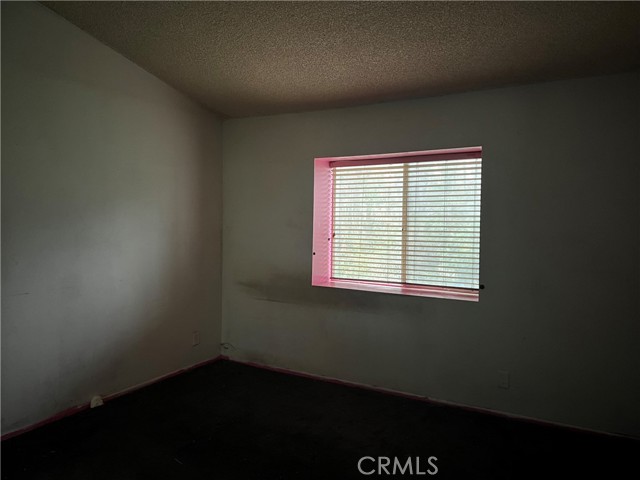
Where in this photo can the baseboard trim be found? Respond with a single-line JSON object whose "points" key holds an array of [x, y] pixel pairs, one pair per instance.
{"points": [[431, 400], [79, 408], [106, 398]]}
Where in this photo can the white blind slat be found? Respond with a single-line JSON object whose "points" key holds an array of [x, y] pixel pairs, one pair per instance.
{"points": [[415, 223]]}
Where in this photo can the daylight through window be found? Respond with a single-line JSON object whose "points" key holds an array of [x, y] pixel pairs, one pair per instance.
{"points": [[411, 221]]}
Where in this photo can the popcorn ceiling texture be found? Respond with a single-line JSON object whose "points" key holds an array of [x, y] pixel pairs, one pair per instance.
{"points": [[256, 58]]}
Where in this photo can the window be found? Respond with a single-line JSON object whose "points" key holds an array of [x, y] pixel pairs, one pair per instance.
{"points": [[405, 223]]}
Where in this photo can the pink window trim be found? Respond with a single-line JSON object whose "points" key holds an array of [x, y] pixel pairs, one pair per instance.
{"points": [[323, 221], [405, 289], [406, 157]]}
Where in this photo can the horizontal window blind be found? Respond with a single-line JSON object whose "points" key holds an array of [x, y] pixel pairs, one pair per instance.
{"points": [[408, 223]]}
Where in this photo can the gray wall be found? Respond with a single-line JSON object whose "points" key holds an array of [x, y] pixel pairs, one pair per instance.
{"points": [[560, 253], [111, 205]]}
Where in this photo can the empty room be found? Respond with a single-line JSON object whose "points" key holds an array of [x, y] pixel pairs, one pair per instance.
{"points": [[320, 240]]}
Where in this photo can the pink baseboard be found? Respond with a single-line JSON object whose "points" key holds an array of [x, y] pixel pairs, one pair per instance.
{"points": [[433, 401], [79, 408], [106, 398]]}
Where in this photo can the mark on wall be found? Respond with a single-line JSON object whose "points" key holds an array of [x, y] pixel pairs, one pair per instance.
{"points": [[296, 289]]}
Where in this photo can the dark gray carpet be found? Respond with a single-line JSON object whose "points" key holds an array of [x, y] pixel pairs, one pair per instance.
{"points": [[231, 421]]}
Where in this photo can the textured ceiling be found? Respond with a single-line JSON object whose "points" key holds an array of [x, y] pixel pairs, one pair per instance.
{"points": [[255, 58]]}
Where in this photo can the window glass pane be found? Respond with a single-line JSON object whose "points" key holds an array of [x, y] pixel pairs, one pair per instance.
{"points": [[443, 223], [415, 223], [367, 223]]}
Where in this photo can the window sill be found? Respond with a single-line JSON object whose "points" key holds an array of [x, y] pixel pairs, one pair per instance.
{"points": [[412, 290]]}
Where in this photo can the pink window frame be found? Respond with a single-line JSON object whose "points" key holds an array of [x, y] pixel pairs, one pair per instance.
{"points": [[323, 221]]}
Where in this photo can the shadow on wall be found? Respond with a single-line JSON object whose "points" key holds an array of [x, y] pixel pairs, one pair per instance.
{"points": [[107, 273], [296, 288]]}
